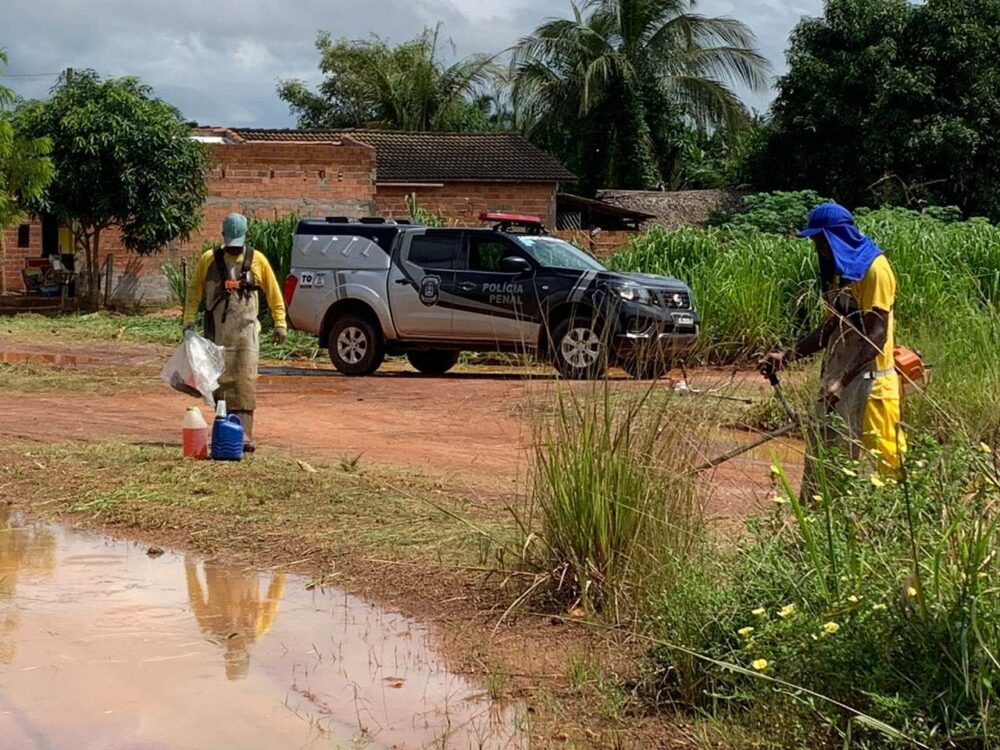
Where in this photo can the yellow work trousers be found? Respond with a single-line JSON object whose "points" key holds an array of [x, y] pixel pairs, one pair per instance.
{"points": [[880, 431]]}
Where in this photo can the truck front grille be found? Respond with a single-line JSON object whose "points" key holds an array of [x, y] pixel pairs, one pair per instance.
{"points": [[674, 300]]}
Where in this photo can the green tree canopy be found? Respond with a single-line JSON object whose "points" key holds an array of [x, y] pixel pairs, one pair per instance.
{"points": [[371, 83], [890, 101], [25, 170], [615, 89], [123, 159]]}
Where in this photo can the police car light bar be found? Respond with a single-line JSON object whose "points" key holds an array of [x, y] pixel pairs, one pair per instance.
{"points": [[504, 221], [509, 218]]}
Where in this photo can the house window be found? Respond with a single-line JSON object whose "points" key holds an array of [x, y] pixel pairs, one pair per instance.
{"points": [[24, 235]]}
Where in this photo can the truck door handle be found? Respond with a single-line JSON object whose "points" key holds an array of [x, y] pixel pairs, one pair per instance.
{"points": [[403, 282], [467, 286]]}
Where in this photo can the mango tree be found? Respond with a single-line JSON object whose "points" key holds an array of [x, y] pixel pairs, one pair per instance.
{"points": [[124, 159]]}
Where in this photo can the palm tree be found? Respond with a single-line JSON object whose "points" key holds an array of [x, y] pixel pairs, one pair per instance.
{"points": [[610, 88], [370, 83]]}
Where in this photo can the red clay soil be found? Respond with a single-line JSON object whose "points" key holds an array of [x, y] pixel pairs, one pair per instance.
{"points": [[466, 425]]}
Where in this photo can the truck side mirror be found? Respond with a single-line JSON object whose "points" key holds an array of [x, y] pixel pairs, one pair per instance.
{"points": [[515, 264]]}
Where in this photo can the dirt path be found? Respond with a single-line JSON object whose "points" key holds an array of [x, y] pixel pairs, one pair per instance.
{"points": [[468, 426]]}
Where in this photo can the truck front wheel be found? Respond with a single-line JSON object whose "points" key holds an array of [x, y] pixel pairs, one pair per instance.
{"points": [[579, 349], [356, 346]]}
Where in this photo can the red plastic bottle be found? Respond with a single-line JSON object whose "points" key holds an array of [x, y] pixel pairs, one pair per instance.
{"points": [[195, 434]]}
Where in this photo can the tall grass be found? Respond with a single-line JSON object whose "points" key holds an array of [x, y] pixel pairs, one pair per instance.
{"points": [[757, 290], [273, 238], [875, 605], [612, 504]]}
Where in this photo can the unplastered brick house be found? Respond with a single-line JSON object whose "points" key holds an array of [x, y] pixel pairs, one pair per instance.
{"points": [[266, 172]]}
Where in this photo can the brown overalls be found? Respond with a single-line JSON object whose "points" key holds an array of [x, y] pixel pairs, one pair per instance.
{"points": [[233, 324]]}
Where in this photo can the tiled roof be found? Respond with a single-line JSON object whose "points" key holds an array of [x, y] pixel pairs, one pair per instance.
{"points": [[436, 157]]}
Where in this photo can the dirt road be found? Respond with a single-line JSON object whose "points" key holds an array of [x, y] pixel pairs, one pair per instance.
{"points": [[470, 426]]}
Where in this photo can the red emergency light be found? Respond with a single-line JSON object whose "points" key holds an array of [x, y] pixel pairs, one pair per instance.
{"points": [[507, 218]]}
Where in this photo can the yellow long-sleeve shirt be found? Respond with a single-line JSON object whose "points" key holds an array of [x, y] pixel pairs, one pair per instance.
{"points": [[263, 276]]}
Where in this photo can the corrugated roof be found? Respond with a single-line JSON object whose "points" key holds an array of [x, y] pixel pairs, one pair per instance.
{"points": [[404, 156]]}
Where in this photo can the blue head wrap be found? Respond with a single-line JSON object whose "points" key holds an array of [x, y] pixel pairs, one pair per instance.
{"points": [[853, 252]]}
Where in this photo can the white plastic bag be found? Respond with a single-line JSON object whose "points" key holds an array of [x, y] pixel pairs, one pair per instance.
{"points": [[195, 367]]}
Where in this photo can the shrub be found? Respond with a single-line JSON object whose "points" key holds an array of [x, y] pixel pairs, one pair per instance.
{"points": [[612, 503], [880, 597], [773, 213], [273, 238]]}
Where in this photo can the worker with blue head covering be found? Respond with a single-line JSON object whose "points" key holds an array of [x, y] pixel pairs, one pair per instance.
{"points": [[858, 336]]}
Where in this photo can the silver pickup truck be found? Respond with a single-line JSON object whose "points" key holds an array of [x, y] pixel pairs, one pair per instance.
{"points": [[374, 287]]}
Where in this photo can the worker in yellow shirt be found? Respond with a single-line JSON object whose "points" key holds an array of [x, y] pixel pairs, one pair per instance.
{"points": [[228, 279], [859, 376]]}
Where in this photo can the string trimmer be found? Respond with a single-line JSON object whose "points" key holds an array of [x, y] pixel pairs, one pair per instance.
{"points": [[768, 371]]}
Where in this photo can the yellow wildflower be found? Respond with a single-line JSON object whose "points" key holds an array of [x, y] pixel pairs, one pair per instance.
{"points": [[876, 481], [830, 628], [759, 612], [817, 498], [787, 611], [878, 608], [779, 500], [984, 448], [759, 664], [911, 591], [745, 631], [853, 599]]}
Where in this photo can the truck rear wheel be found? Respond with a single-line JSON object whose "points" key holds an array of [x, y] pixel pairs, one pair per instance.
{"points": [[356, 346], [433, 362]]}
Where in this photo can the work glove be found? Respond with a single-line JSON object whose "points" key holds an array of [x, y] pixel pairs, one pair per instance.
{"points": [[280, 334]]}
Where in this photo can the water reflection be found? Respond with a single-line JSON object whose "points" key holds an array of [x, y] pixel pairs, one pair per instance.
{"points": [[23, 549], [229, 608]]}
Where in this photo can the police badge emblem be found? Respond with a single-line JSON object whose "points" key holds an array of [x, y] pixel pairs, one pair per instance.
{"points": [[430, 290]]}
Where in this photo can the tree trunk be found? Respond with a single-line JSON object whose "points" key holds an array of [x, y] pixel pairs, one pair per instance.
{"points": [[3, 260]]}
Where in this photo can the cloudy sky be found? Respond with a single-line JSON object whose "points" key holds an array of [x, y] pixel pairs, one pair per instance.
{"points": [[219, 60]]}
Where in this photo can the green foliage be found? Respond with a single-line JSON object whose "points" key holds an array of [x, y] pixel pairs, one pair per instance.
{"points": [[887, 101], [610, 498], [273, 238], [25, 169], [178, 276], [878, 595], [421, 215], [756, 291], [773, 213], [610, 89], [371, 83], [123, 159]]}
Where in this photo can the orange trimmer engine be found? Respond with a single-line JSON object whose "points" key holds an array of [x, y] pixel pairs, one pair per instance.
{"points": [[910, 367]]}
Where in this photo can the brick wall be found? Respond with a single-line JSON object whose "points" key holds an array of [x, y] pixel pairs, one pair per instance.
{"points": [[462, 202], [259, 180]]}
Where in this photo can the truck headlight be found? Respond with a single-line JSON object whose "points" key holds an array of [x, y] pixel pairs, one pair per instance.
{"points": [[633, 293]]}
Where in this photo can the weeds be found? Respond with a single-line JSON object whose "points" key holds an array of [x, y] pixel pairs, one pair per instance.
{"points": [[876, 595], [611, 498]]}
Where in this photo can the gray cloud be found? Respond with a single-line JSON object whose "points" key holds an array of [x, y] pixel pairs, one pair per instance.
{"points": [[219, 62]]}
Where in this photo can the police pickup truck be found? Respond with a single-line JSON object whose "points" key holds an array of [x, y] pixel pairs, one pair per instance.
{"points": [[375, 286]]}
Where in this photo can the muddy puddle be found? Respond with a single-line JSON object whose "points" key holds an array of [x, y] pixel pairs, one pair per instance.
{"points": [[103, 646]]}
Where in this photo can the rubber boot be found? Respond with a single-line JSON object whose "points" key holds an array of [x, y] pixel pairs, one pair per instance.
{"points": [[246, 417]]}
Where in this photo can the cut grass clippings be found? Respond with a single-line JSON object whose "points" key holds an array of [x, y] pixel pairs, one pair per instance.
{"points": [[262, 505]]}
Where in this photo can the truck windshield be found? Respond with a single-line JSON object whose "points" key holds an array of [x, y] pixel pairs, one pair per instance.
{"points": [[555, 253]]}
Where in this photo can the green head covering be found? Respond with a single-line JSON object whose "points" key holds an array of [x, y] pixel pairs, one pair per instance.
{"points": [[234, 230]]}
